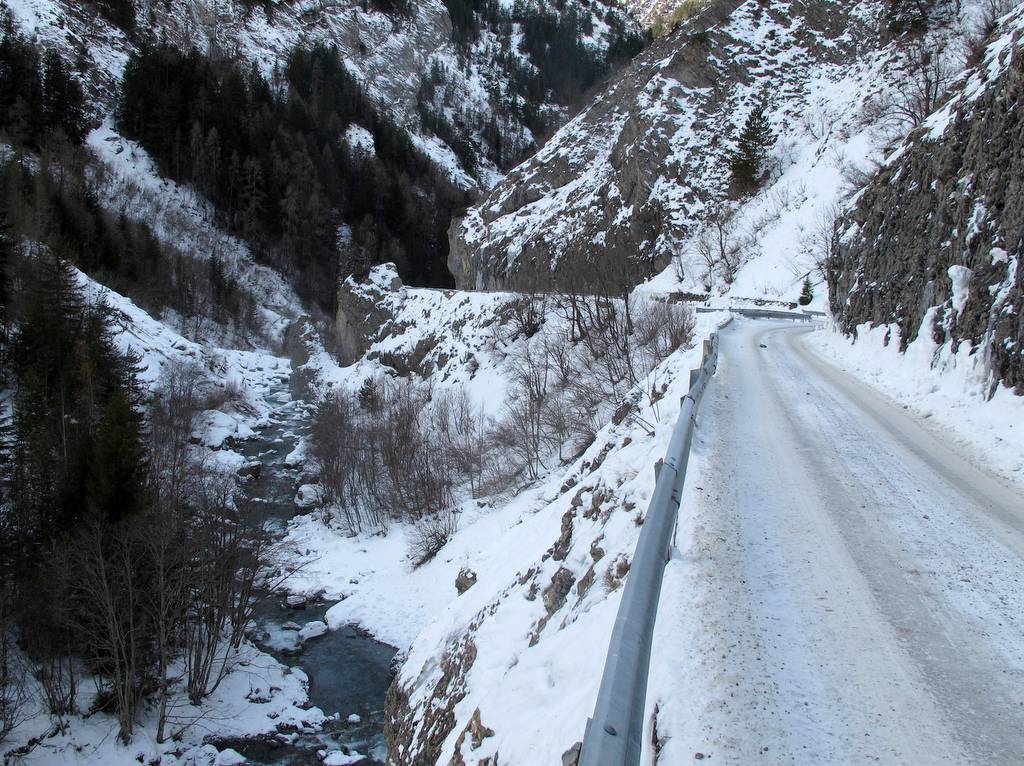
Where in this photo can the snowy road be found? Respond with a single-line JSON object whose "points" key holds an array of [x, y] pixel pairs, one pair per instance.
{"points": [[851, 592]]}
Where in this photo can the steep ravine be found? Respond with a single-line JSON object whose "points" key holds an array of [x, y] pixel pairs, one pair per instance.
{"points": [[349, 672]]}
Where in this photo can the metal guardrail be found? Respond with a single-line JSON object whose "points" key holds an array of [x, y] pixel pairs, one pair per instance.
{"points": [[614, 732], [805, 315]]}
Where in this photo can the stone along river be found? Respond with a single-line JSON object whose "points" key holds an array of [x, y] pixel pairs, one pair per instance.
{"points": [[349, 672]]}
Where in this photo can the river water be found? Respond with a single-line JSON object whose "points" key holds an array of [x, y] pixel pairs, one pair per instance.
{"points": [[349, 671]]}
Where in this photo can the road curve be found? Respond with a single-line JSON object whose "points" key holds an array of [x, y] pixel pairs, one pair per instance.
{"points": [[860, 586]]}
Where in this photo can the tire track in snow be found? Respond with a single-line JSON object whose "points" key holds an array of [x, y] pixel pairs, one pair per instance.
{"points": [[851, 591]]}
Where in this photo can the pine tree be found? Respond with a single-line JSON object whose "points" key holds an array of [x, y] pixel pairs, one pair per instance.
{"points": [[747, 162], [807, 294], [117, 465], [77, 427], [21, 111], [6, 257], [908, 16], [63, 103]]}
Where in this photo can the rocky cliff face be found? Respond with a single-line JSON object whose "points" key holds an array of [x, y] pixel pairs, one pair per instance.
{"points": [[628, 179], [933, 245]]}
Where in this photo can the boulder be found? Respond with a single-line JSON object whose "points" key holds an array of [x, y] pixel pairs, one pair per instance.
{"points": [[308, 497], [554, 595], [465, 580]]}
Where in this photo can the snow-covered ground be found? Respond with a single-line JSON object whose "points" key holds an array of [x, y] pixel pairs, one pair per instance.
{"points": [[256, 697], [533, 675], [259, 694], [538, 651], [846, 588], [753, 617]]}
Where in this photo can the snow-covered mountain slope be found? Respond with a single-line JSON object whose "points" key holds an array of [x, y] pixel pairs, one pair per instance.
{"points": [[130, 184], [842, 95], [932, 247], [250, 374], [663, 15], [644, 164], [472, 72], [642, 173]]}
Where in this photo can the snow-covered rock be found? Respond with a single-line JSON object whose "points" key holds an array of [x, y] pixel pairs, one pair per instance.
{"points": [[312, 630], [230, 757], [936, 234], [338, 758], [215, 428], [308, 496]]}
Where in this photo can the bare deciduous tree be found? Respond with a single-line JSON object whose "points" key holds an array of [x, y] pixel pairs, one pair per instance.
{"points": [[14, 670], [109, 589], [926, 75], [719, 246], [430, 534], [820, 241]]}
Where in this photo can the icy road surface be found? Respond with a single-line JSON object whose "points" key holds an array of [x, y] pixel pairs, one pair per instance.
{"points": [[849, 590]]}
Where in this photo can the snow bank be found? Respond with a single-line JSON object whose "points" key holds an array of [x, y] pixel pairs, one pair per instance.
{"points": [[946, 389]]}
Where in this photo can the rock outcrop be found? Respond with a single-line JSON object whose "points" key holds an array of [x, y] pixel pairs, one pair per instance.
{"points": [[361, 311], [933, 244]]}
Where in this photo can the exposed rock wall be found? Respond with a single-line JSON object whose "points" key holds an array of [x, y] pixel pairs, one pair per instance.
{"points": [[938, 232], [361, 311]]}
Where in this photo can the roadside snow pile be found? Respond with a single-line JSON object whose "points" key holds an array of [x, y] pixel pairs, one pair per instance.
{"points": [[948, 390]]}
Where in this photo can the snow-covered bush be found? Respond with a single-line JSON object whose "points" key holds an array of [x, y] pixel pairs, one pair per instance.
{"points": [[430, 534]]}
